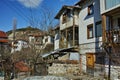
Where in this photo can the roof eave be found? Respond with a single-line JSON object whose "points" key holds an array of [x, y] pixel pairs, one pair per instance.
{"points": [[63, 8], [60, 12]]}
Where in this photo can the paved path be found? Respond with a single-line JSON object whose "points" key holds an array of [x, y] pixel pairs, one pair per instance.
{"points": [[1, 78], [68, 77], [45, 78]]}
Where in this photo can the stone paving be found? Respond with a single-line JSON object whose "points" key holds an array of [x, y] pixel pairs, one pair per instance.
{"points": [[64, 77], [69, 77], [45, 78], [1, 78]]}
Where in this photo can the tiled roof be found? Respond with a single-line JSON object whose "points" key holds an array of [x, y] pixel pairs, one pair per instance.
{"points": [[3, 37], [64, 8], [3, 34], [3, 40], [22, 67]]}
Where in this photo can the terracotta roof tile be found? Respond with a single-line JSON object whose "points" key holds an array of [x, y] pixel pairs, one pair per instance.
{"points": [[3, 34], [3, 37], [4, 40], [21, 66]]}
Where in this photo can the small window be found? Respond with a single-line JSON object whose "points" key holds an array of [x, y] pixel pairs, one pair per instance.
{"points": [[64, 19], [98, 29], [90, 9], [90, 31], [46, 40]]}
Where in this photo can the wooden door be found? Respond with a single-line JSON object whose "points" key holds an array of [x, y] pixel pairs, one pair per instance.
{"points": [[90, 60]]}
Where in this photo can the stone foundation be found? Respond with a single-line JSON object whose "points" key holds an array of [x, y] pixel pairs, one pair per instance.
{"points": [[63, 69]]}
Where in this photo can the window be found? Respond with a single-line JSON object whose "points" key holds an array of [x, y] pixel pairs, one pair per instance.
{"points": [[46, 40], [64, 19], [66, 16], [98, 29], [90, 31], [90, 9], [111, 3]]}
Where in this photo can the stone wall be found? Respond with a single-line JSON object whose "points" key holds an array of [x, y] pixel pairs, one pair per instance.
{"points": [[63, 69]]}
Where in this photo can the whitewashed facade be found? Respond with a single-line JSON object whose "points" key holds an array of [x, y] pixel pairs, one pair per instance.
{"points": [[19, 45], [56, 37], [68, 34], [48, 39], [90, 33]]}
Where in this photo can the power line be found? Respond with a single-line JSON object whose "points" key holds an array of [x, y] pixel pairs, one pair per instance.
{"points": [[20, 10], [16, 11]]}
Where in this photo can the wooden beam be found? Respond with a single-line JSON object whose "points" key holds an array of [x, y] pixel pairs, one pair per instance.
{"points": [[103, 28], [73, 30]]}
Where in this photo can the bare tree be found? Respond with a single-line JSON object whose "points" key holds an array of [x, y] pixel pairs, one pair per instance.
{"points": [[5, 59], [45, 20]]}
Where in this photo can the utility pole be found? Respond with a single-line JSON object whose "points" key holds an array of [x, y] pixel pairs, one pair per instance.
{"points": [[13, 65], [14, 28]]}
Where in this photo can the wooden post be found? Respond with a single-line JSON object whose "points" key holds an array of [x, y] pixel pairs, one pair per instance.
{"points": [[103, 28], [73, 30], [66, 39], [80, 63]]}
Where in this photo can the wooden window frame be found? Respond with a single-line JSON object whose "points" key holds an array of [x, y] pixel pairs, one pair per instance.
{"points": [[64, 19], [46, 40], [88, 31], [89, 8], [90, 60]]}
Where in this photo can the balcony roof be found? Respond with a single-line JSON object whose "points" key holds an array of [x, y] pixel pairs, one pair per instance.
{"points": [[62, 51], [65, 7], [113, 12]]}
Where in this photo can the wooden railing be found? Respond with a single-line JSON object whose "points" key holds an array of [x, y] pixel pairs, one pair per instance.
{"points": [[68, 43], [113, 36]]}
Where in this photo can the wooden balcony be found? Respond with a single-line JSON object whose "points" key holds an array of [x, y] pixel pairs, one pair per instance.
{"points": [[68, 44], [113, 36], [70, 23]]}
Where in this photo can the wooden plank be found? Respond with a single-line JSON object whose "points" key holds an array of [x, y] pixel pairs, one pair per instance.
{"points": [[103, 28]]}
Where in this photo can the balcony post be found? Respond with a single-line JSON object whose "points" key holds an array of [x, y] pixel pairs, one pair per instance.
{"points": [[66, 38], [103, 28], [73, 30]]}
